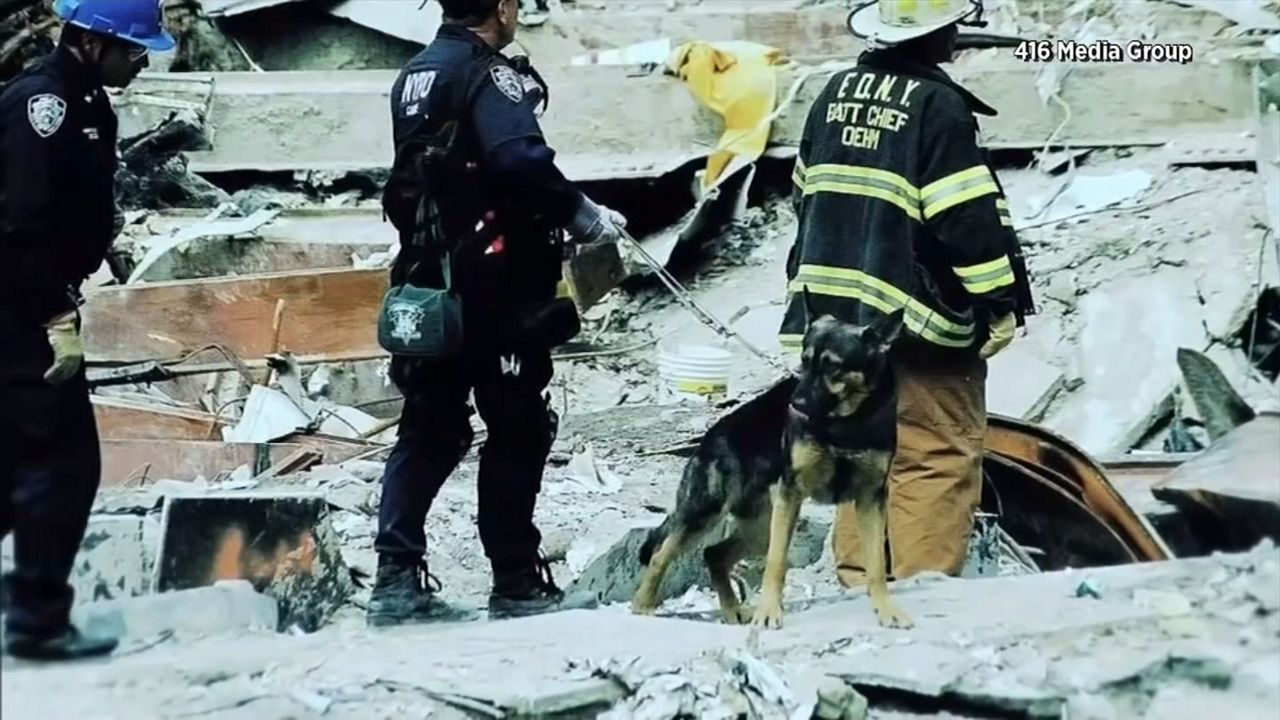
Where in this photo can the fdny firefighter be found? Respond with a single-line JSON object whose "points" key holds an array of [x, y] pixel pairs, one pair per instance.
{"points": [[57, 221], [480, 206], [899, 208]]}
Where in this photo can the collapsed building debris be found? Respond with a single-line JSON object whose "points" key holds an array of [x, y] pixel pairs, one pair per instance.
{"points": [[1143, 236], [1231, 492], [1021, 646]]}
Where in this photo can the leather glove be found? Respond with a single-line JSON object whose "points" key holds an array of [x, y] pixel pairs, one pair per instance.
{"points": [[68, 350], [1001, 334], [594, 224]]}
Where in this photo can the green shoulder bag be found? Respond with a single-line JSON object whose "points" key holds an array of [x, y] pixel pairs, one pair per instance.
{"points": [[422, 322]]}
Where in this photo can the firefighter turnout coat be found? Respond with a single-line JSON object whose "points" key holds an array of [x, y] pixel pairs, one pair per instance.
{"points": [[898, 207]]}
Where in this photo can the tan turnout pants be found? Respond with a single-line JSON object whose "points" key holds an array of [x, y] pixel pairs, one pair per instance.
{"points": [[935, 481]]}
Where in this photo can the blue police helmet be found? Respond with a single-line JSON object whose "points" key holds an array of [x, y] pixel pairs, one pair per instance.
{"points": [[137, 21]]}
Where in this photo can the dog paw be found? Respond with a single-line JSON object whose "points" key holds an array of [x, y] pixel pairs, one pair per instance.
{"points": [[738, 615], [768, 617], [642, 609], [890, 615]]}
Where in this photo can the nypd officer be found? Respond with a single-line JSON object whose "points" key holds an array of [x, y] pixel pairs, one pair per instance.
{"points": [[466, 117], [57, 211]]}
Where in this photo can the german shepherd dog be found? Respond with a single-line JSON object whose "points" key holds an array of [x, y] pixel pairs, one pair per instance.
{"points": [[828, 435]]}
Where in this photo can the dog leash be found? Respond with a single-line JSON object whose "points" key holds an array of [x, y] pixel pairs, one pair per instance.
{"points": [[704, 316]]}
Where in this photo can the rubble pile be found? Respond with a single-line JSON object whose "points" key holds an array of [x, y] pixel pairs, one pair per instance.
{"points": [[246, 413], [27, 31]]}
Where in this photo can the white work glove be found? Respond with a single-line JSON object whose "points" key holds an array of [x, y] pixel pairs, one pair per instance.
{"points": [[1001, 334], [596, 224], [68, 350]]}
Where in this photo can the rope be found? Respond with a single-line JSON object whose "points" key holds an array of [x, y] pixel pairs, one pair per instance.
{"points": [[701, 314]]}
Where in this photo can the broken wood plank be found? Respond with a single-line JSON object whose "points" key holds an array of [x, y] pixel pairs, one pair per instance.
{"points": [[140, 462], [330, 312], [611, 123], [300, 460], [125, 420]]}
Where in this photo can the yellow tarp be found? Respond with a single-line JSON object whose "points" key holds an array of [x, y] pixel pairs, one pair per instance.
{"points": [[739, 81]]}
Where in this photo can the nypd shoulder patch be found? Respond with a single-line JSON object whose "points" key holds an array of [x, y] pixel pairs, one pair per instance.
{"points": [[508, 81], [46, 112]]}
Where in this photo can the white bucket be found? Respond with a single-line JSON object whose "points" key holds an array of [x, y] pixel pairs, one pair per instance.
{"points": [[699, 372]]}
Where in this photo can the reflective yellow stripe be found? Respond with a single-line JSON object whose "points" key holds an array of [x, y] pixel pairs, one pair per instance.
{"points": [[978, 288], [864, 181], [987, 276], [971, 271], [861, 171], [1002, 207], [798, 174], [790, 342], [957, 188], [850, 188], [977, 171], [914, 322], [960, 196], [857, 285]]}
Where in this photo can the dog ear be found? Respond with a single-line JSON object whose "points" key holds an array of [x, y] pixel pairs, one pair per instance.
{"points": [[809, 315], [885, 331]]}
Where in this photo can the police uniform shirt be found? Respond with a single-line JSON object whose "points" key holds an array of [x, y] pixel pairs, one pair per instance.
{"points": [[58, 160], [502, 109]]}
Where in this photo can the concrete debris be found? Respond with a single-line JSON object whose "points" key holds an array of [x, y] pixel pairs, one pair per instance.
{"points": [[154, 172], [1084, 194], [115, 559], [586, 473], [615, 573], [1246, 14], [737, 685], [1232, 490], [1039, 383], [225, 607], [1148, 264], [653, 52], [212, 226], [1219, 406]]}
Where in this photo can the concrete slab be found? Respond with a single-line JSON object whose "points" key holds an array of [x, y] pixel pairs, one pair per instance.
{"points": [[112, 562], [224, 608], [268, 121], [1022, 385], [1232, 489], [536, 664], [1131, 370], [616, 573]]}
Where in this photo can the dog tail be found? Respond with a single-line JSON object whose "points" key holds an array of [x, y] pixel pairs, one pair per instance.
{"points": [[654, 540]]}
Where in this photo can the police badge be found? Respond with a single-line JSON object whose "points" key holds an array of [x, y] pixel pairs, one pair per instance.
{"points": [[508, 81], [46, 113], [405, 319]]}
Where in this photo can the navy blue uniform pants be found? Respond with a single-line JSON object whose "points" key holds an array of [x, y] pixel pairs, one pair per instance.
{"points": [[50, 468], [435, 433]]}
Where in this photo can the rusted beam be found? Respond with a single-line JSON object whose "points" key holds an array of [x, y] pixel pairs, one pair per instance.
{"points": [[1038, 447]]}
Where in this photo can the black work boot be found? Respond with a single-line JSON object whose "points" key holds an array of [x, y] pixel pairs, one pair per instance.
{"points": [[70, 644], [532, 591], [400, 596]]}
